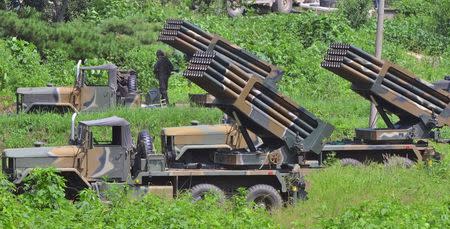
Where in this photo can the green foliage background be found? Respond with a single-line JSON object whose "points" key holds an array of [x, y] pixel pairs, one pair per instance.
{"points": [[35, 51]]}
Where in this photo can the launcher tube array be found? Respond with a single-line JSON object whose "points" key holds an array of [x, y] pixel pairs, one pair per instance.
{"points": [[262, 106], [189, 39], [364, 71]]}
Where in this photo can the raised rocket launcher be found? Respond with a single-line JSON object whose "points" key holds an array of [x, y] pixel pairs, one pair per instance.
{"points": [[421, 107], [244, 89], [190, 39], [257, 107]]}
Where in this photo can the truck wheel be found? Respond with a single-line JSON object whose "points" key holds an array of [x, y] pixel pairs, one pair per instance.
{"points": [[144, 144], [265, 196], [132, 84], [282, 6], [350, 162], [399, 162], [199, 192], [235, 8]]}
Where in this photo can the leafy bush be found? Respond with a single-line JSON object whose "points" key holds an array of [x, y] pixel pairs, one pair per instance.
{"points": [[415, 34], [44, 207], [356, 11], [20, 65], [44, 189]]}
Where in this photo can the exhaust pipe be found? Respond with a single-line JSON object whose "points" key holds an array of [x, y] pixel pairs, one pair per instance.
{"points": [[72, 128], [78, 68]]}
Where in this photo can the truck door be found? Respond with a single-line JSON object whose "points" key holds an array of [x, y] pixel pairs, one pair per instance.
{"points": [[107, 158], [95, 98], [106, 161]]}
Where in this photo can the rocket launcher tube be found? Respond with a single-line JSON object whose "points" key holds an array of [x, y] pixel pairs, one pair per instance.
{"points": [[245, 77], [399, 81], [259, 111], [392, 86], [190, 46], [246, 61], [256, 93], [265, 100], [212, 75], [358, 78], [236, 88], [344, 49]]}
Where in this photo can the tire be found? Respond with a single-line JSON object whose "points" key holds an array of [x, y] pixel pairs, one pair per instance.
{"points": [[328, 3], [199, 191], [132, 84], [397, 161], [265, 195], [144, 144], [350, 162], [234, 8], [282, 6]]}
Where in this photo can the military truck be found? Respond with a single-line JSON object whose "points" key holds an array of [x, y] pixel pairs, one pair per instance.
{"points": [[86, 95], [92, 161], [237, 7]]}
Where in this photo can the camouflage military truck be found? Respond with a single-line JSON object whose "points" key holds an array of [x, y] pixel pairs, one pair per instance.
{"points": [[91, 161], [237, 7], [119, 90]]}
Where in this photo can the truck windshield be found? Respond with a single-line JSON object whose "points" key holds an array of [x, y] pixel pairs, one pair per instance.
{"points": [[96, 78]]}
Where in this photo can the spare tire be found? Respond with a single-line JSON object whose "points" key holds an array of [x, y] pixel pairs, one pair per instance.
{"points": [[199, 192], [132, 83], [265, 196], [144, 144]]}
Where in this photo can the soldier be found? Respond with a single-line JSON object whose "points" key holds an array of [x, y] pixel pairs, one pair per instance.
{"points": [[162, 69]]}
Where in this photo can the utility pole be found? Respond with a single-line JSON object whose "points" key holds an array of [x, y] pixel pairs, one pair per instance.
{"points": [[378, 48]]}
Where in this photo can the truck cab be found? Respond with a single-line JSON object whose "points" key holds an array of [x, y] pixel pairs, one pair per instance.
{"points": [[87, 159]]}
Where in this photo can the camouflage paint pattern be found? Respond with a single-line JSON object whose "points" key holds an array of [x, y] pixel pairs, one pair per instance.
{"points": [[93, 164], [81, 97]]}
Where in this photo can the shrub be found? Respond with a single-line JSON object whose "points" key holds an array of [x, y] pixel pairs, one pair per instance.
{"points": [[44, 188], [356, 11]]}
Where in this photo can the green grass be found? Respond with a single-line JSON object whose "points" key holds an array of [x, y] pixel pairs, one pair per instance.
{"points": [[335, 190]]}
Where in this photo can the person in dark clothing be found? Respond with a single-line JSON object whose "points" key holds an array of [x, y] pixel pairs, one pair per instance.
{"points": [[162, 69]]}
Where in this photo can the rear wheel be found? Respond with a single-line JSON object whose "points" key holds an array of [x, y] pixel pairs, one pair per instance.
{"points": [[397, 161], [282, 6], [199, 192], [265, 196], [235, 8], [350, 162]]}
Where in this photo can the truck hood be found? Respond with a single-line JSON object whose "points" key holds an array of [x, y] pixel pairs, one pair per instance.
{"points": [[43, 90], [58, 151], [203, 130]]}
